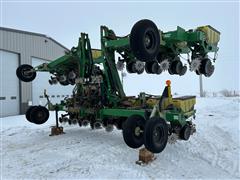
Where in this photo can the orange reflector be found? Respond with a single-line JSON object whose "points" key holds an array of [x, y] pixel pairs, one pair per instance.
{"points": [[168, 82]]}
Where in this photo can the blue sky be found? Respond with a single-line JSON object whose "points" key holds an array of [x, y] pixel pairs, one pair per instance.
{"points": [[64, 21]]}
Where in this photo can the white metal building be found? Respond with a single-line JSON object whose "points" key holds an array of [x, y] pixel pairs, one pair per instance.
{"points": [[22, 47]]}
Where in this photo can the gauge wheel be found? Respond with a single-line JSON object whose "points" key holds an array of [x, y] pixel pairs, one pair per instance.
{"points": [[25, 74], [185, 132], [155, 134], [148, 67], [145, 40], [133, 131], [130, 67]]}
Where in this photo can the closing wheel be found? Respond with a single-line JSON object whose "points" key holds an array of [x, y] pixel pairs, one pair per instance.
{"points": [[206, 67], [24, 73], [38, 115], [133, 131], [145, 40], [155, 134], [185, 132]]}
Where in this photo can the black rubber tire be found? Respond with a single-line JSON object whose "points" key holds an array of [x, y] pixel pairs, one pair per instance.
{"points": [[65, 83], [142, 31], [183, 70], [152, 67], [27, 114], [129, 128], [197, 72], [130, 68], [176, 67], [185, 132], [141, 71], [38, 115], [170, 70], [148, 67], [156, 68], [155, 134], [206, 67], [21, 73]]}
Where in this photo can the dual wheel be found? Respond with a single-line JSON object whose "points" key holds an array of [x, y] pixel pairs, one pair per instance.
{"points": [[206, 68], [37, 114], [152, 133], [177, 67]]}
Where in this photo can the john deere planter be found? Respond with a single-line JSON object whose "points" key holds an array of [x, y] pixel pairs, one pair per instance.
{"points": [[98, 98]]}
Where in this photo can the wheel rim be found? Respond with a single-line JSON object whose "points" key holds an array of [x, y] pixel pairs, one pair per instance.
{"points": [[26, 72], [137, 131], [158, 133], [149, 40], [41, 115]]}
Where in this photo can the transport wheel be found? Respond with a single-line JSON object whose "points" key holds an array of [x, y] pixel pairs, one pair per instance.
{"points": [[133, 131], [155, 134], [185, 132], [38, 115], [145, 40], [206, 67], [24, 73], [27, 114]]}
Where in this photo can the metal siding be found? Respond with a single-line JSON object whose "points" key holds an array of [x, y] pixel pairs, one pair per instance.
{"points": [[27, 46], [9, 83]]}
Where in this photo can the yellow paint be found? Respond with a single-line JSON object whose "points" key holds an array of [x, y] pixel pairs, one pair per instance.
{"points": [[212, 35], [96, 53]]}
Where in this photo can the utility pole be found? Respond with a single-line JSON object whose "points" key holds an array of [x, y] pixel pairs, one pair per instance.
{"points": [[201, 85]]}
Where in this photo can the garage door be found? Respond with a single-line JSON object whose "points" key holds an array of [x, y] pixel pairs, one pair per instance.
{"points": [[9, 83], [56, 92]]}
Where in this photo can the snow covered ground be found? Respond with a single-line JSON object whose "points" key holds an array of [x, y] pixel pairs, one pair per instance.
{"points": [[213, 152]]}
